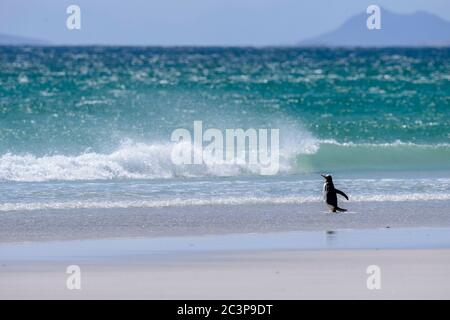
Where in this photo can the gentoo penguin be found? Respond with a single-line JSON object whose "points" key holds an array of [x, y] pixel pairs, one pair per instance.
{"points": [[330, 194]]}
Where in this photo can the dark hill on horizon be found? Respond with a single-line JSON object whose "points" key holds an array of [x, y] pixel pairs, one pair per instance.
{"points": [[6, 39], [417, 29]]}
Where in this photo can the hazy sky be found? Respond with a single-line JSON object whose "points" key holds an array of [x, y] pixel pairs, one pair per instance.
{"points": [[192, 22]]}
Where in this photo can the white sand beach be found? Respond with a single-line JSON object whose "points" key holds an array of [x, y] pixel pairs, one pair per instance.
{"points": [[413, 263], [405, 274]]}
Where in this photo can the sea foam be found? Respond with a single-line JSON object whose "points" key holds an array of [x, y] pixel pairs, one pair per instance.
{"points": [[218, 201], [130, 161], [142, 161]]}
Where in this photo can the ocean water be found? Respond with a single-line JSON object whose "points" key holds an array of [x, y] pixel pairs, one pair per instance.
{"points": [[90, 127]]}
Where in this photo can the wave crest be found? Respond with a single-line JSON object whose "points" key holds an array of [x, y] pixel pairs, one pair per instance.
{"points": [[135, 161], [140, 161], [332, 156]]}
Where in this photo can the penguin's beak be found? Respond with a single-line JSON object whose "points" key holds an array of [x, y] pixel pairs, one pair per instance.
{"points": [[323, 176]]}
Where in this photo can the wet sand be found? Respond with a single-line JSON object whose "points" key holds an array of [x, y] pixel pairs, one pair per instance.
{"points": [[228, 252], [54, 225]]}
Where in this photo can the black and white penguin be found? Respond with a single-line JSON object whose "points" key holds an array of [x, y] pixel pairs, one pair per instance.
{"points": [[330, 194]]}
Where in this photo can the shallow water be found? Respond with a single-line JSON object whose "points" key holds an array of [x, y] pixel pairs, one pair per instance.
{"points": [[282, 189]]}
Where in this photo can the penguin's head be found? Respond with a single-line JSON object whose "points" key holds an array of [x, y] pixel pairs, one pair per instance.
{"points": [[327, 177]]}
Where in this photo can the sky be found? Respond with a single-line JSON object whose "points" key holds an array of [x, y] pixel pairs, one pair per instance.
{"points": [[192, 22]]}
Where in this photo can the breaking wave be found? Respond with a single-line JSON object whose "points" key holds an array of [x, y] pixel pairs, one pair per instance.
{"points": [[153, 161], [332, 156]]}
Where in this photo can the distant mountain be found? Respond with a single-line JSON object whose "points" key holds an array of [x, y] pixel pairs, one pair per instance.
{"points": [[417, 29], [6, 39]]}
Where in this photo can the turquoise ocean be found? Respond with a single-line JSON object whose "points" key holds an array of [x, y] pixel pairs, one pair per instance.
{"points": [[90, 127]]}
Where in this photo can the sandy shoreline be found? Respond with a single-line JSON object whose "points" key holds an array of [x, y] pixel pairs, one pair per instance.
{"points": [[405, 274], [414, 264], [228, 252], [55, 225]]}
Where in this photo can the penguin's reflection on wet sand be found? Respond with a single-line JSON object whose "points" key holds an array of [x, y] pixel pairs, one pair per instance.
{"points": [[331, 238]]}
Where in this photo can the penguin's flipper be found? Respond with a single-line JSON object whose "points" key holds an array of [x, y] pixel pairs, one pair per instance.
{"points": [[341, 193], [341, 210]]}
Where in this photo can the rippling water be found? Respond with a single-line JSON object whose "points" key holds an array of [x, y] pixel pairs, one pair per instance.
{"points": [[90, 127]]}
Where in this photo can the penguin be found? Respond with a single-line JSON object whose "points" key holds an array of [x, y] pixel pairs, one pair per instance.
{"points": [[330, 194]]}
